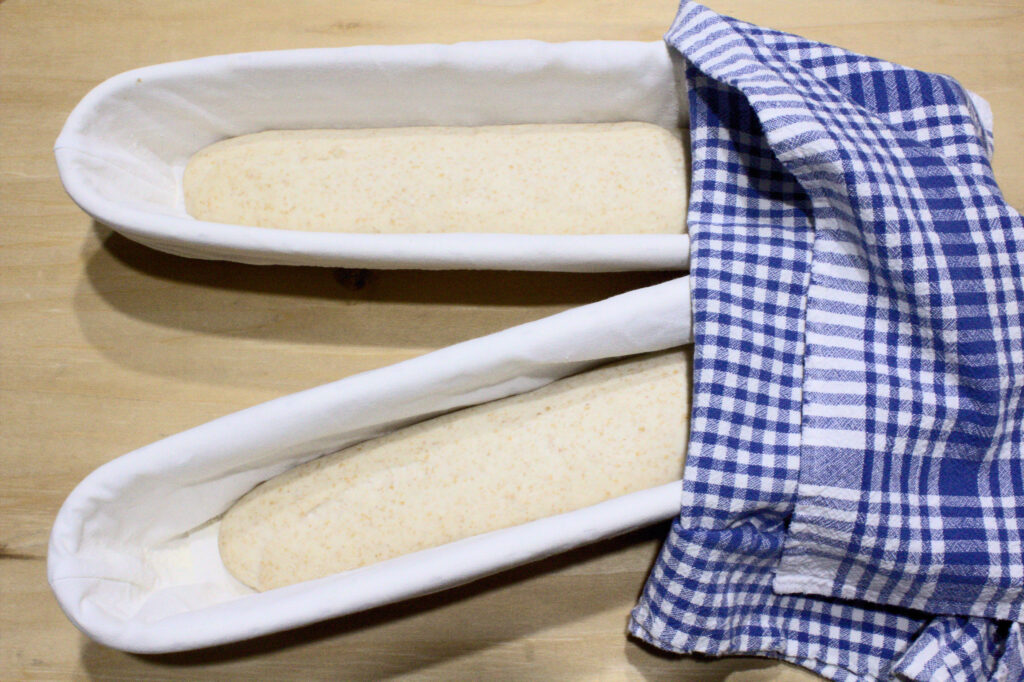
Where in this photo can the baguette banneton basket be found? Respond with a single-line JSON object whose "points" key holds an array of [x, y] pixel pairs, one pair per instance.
{"points": [[123, 150], [133, 557]]}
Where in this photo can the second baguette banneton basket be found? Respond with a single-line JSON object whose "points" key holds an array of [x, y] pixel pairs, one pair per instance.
{"points": [[133, 556], [124, 148]]}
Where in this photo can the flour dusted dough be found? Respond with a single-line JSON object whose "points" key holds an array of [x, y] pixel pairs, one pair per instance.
{"points": [[602, 178], [588, 438]]}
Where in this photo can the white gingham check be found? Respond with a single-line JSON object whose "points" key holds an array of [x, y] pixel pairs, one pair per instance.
{"points": [[854, 490]]}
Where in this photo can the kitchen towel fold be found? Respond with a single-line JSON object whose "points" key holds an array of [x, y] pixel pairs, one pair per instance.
{"points": [[854, 490]]}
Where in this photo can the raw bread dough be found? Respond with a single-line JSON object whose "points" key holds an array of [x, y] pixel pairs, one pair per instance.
{"points": [[576, 442], [600, 178]]}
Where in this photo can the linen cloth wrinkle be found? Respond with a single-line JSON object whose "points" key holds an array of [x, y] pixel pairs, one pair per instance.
{"points": [[854, 492]]}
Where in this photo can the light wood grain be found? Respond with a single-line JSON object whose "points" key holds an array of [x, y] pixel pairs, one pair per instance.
{"points": [[107, 346]]}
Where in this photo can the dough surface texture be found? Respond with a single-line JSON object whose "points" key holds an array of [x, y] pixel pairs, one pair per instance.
{"points": [[601, 178], [600, 434]]}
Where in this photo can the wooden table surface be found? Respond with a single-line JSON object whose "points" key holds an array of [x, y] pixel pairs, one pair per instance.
{"points": [[107, 345]]}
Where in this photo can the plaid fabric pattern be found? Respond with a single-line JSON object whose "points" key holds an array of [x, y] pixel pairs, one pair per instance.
{"points": [[854, 490]]}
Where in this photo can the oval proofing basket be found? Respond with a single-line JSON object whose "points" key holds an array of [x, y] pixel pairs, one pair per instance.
{"points": [[123, 150], [133, 556]]}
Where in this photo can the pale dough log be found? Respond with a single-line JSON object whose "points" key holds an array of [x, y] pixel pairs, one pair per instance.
{"points": [[588, 438], [603, 178]]}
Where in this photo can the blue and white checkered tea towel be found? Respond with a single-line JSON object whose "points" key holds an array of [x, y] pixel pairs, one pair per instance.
{"points": [[854, 490]]}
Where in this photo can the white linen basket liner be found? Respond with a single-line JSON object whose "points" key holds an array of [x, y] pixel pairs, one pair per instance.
{"points": [[123, 150], [133, 556]]}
